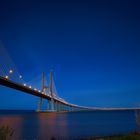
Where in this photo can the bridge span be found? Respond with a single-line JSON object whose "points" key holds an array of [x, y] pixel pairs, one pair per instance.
{"points": [[56, 104], [11, 78]]}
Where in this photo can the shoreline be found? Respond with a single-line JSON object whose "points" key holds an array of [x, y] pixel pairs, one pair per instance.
{"points": [[132, 136]]}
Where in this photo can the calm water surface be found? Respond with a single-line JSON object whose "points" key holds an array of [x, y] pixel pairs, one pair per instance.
{"points": [[29, 125]]}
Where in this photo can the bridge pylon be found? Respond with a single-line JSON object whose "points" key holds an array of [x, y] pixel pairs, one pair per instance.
{"points": [[51, 92], [43, 87]]}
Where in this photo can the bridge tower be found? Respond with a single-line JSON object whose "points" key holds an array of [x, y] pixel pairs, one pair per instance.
{"points": [[51, 92], [43, 87]]}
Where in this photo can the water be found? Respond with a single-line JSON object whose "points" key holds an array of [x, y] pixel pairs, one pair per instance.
{"points": [[29, 125]]}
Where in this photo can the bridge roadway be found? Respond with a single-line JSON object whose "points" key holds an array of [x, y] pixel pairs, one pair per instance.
{"points": [[18, 86], [21, 87]]}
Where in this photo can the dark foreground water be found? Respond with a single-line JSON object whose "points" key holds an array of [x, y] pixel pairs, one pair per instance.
{"points": [[29, 125]]}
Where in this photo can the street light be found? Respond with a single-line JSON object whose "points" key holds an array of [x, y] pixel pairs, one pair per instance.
{"points": [[6, 76], [24, 84], [10, 71], [20, 76]]}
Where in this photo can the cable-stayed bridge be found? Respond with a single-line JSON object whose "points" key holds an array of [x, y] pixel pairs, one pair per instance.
{"points": [[55, 103], [10, 77]]}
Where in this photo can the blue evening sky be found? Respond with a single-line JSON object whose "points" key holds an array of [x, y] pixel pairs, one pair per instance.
{"points": [[93, 47]]}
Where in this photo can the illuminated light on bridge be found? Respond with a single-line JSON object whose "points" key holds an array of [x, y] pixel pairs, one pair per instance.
{"points": [[35, 89], [10, 71], [30, 86], [39, 91], [24, 84], [6, 77], [20, 76]]}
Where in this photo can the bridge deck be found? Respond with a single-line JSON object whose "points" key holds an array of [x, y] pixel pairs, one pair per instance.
{"points": [[26, 89]]}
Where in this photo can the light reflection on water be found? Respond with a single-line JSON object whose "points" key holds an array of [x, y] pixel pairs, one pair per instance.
{"points": [[57, 125], [43, 126]]}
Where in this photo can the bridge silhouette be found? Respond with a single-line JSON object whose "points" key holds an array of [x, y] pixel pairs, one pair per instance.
{"points": [[10, 77], [55, 104]]}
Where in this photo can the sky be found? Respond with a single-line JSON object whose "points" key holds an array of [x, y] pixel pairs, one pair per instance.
{"points": [[92, 46]]}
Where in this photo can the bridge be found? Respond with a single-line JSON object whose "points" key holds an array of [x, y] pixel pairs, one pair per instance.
{"points": [[10, 77], [55, 103]]}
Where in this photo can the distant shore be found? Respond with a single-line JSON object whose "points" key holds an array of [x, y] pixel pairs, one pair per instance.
{"points": [[130, 136]]}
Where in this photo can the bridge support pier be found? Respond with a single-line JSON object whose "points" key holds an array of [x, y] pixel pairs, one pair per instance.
{"points": [[39, 104], [56, 106], [52, 104], [59, 106], [48, 105]]}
